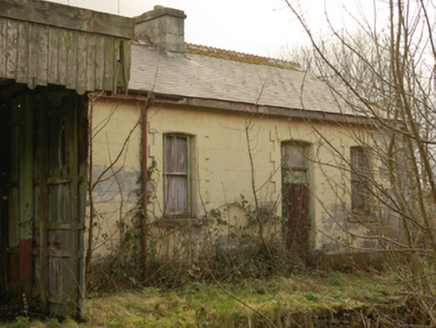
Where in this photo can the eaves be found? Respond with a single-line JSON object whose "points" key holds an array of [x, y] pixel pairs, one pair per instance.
{"points": [[297, 113]]}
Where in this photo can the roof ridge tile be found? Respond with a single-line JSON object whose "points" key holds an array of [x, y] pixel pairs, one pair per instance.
{"points": [[239, 56], [144, 40]]}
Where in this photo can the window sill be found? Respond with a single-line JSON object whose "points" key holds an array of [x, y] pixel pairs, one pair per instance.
{"points": [[178, 223], [361, 220]]}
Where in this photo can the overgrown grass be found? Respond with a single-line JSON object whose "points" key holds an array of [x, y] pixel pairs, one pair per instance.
{"points": [[297, 301]]}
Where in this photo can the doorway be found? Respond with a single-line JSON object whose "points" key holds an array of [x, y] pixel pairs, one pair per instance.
{"points": [[43, 193], [295, 197]]}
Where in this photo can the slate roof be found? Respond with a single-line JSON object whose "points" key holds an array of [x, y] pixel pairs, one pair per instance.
{"points": [[213, 74]]}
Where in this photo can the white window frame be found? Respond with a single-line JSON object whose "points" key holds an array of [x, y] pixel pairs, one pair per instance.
{"points": [[187, 210]]}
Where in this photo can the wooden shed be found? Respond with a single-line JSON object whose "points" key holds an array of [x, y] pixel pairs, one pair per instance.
{"points": [[51, 56]]}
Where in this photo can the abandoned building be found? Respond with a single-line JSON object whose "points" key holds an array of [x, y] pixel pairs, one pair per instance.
{"points": [[220, 128], [98, 111]]}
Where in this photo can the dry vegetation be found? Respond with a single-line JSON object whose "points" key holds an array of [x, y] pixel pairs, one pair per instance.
{"points": [[313, 299]]}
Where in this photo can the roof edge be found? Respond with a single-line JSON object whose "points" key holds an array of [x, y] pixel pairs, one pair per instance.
{"points": [[298, 113]]}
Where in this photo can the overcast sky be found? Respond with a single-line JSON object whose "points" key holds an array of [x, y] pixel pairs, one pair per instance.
{"points": [[262, 27]]}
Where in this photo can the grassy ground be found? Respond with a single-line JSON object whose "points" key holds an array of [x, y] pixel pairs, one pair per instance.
{"points": [[313, 300]]}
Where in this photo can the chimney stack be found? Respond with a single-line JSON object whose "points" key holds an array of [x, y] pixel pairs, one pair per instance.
{"points": [[165, 28]]}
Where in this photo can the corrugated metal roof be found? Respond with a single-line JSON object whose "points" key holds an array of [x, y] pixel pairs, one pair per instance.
{"points": [[198, 75]]}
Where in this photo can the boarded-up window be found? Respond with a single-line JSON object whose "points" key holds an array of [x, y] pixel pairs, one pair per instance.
{"points": [[177, 175], [359, 181]]}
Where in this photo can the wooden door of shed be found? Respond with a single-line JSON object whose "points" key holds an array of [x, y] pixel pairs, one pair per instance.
{"points": [[42, 190], [60, 188]]}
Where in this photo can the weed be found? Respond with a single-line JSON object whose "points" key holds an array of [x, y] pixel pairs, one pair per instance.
{"points": [[306, 300], [21, 322]]}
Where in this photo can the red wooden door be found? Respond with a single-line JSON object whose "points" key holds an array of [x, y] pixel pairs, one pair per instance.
{"points": [[296, 209], [295, 197]]}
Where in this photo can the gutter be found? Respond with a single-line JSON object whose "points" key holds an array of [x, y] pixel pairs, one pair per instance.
{"points": [[303, 114]]}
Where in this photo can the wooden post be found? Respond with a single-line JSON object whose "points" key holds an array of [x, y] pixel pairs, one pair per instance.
{"points": [[43, 197], [26, 194], [73, 147]]}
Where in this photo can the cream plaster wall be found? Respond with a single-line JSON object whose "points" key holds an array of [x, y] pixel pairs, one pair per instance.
{"points": [[221, 168], [115, 158], [222, 171]]}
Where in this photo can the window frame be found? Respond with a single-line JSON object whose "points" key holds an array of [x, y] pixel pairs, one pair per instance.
{"points": [[188, 212], [360, 170], [292, 171]]}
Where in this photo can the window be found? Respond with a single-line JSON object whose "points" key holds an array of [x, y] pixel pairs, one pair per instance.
{"points": [[359, 181], [177, 184], [295, 166]]}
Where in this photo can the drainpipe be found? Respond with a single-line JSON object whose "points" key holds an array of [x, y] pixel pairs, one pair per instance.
{"points": [[148, 103]]}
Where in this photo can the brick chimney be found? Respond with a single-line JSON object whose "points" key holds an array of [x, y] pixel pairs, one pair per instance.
{"points": [[165, 28]]}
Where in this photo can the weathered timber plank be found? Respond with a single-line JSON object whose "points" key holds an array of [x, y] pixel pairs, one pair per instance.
{"points": [[108, 64], [62, 57], [74, 291], [32, 61], [3, 45], [59, 226], [42, 55], [57, 253], [53, 46], [23, 40], [125, 64], [26, 193], [81, 63], [99, 62], [11, 49], [82, 189], [38, 54], [68, 17], [90, 60], [115, 65], [43, 199], [70, 82]]}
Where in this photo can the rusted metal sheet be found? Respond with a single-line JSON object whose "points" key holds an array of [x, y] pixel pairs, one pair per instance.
{"points": [[84, 52]]}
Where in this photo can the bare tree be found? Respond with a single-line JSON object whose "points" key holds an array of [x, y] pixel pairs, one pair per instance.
{"points": [[110, 173], [384, 72]]}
